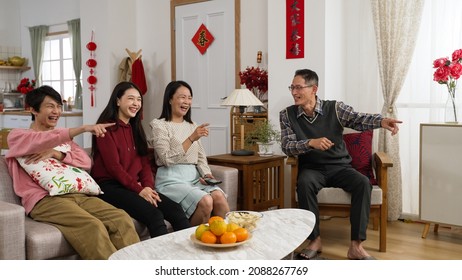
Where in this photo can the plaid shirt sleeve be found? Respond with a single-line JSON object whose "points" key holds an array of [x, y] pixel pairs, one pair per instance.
{"points": [[289, 144], [357, 121]]}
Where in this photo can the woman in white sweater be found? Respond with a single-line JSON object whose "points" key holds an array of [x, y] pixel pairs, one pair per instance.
{"points": [[183, 170]]}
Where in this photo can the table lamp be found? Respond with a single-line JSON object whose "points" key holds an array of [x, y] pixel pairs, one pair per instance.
{"points": [[241, 98]]}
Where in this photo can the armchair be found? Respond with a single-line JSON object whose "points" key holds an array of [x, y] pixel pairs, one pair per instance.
{"points": [[336, 202]]}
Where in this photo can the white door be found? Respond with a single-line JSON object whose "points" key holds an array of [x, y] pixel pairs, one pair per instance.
{"points": [[212, 74]]}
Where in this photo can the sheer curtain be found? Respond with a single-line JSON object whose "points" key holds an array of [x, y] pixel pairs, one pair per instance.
{"points": [[422, 100], [396, 24], [74, 30], [37, 41]]}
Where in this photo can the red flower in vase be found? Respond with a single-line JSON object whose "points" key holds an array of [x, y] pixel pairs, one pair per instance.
{"points": [[447, 73], [256, 80], [25, 85]]}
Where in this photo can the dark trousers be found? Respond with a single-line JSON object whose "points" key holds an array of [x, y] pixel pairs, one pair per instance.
{"points": [[311, 180], [144, 212]]}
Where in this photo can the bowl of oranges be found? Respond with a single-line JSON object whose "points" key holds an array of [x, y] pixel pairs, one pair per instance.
{"points": [[218, 233]]}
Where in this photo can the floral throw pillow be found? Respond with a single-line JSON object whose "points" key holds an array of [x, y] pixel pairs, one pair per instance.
{"points": [[59, 178], [359, 146]]}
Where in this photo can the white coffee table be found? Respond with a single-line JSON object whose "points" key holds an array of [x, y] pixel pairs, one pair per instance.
{"points": [[278, 234]]}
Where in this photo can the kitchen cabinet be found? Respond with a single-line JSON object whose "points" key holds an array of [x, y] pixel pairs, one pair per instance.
{"points": [[10, 100], [440, 174]]}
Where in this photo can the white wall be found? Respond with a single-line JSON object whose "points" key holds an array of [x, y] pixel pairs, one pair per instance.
{"points": [[338, 43], [254, 32], [114, 26], [44, 12], [10, 25]]}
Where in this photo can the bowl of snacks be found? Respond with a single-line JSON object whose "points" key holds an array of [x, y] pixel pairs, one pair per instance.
{"points": [[245, 219]]}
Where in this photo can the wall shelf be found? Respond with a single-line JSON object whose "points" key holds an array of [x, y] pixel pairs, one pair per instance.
{"points": [[19, 68]]}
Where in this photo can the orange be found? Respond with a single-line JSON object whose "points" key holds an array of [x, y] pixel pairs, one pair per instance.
{"points": [[241, 234], [232, 227], [215, 218], [228, 237], [218, 227], [200, 230], [208, 237]]}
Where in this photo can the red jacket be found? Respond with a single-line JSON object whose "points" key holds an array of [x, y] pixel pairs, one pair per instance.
{"points": [[117, 159], [138, 77]]}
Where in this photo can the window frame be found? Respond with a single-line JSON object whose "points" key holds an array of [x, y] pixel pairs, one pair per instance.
{"points": [[62, 83]]}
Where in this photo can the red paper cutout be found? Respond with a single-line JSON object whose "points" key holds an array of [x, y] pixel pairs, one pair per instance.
{"points": [[202, 39]]}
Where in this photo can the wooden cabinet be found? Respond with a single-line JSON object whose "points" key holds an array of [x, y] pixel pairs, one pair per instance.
{"points": [[242, 123], [261, 180], [440, 174]]}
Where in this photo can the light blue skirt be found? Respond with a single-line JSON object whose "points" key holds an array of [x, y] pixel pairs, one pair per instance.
{"points": [[181, 184]]}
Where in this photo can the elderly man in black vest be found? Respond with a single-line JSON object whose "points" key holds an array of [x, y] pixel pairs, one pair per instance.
{"points": [[312, 129]]}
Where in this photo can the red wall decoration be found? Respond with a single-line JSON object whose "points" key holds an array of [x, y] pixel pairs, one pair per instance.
{"points": [[91, 63], [202, 39], [295, 29]]}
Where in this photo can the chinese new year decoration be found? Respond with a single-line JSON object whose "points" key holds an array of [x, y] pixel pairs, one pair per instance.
{"points": [[295, 28], [91, 63], [202, 39]]}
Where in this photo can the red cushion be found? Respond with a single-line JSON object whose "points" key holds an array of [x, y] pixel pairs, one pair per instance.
{"points": [[359, 145]]}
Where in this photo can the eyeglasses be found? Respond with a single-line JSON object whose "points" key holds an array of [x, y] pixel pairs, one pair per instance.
{"points": [[292, 87]]}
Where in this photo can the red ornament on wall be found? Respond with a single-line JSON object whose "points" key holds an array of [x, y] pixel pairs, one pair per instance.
{"points": [[202, 39], [92, 80], [295, 29], [91, 63]]}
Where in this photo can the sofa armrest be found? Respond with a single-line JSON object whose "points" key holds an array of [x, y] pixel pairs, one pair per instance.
{"points": [[381, 164], [12, 232], [229, 176]]}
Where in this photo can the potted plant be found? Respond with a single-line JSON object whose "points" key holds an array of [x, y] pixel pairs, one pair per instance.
{"points": [[264, 134]]}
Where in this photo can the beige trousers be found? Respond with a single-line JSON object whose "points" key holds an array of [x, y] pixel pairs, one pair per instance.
{"points": [[94, 228]]}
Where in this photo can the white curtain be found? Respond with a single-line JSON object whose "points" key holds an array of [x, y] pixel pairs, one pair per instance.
{"points": [[396, 25], [422, 100]]}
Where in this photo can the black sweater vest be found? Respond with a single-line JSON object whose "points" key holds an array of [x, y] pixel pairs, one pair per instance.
{"points": [[325, 125]]}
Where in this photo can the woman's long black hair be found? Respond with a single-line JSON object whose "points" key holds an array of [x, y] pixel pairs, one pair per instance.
{"points": [[110, 114], [168, 95]]}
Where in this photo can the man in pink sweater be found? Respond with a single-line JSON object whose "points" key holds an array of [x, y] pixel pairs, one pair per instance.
{"points": [[94, 228]]}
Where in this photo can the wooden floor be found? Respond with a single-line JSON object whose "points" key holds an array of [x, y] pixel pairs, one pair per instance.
{"points": [[404, 241]]}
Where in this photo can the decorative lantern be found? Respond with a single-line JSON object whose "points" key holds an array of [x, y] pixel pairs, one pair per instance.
{"points": [[91, 63]]}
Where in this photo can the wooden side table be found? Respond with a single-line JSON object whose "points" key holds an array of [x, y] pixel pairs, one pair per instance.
{"points": [[261, 180]]}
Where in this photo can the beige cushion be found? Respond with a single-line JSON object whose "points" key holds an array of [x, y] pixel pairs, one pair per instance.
{"points": [[339, 196]]}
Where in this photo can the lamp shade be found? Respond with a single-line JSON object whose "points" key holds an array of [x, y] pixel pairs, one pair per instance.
{"points": [[241, 97]]}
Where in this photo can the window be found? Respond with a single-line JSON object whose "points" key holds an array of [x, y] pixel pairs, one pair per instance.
{"points": [[57, 66]]}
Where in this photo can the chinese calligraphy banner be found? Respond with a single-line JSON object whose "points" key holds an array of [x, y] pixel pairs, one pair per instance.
{"points": [[202, 39], [295, 28]]}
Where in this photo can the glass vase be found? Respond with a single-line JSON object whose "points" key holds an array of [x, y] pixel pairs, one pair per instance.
{"points": [[452, 111]]}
